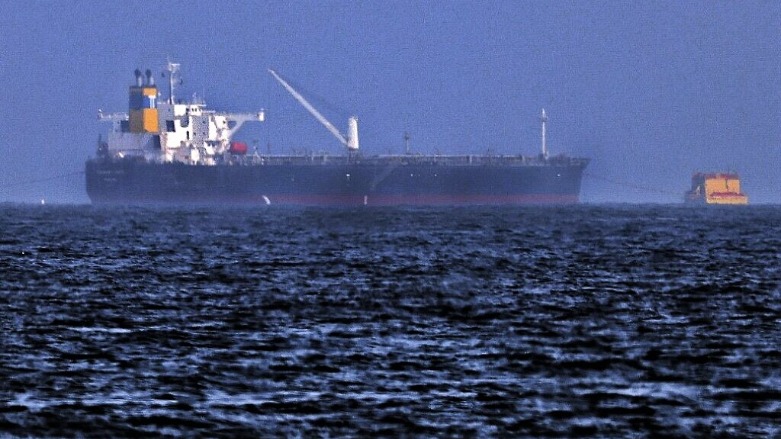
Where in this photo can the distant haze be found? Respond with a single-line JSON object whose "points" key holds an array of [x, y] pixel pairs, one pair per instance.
{"points": [[650, 91]]}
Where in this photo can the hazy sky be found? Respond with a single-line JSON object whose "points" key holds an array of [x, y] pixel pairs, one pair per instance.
{"points": [[651, 91]]}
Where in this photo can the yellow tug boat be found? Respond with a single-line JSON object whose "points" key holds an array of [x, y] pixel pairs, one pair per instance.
{"points": [[715, 188]]}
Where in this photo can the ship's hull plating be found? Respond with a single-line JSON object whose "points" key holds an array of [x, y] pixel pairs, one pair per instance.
{"points": [[346, 184]]}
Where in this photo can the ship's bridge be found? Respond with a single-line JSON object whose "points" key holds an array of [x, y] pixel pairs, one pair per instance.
{"points": [[170, 131]]}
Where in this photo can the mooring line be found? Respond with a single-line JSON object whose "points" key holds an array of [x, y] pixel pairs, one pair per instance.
{"points": [[39, 180], [630, 185]]}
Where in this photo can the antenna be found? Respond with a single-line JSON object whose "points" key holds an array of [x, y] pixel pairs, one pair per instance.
{"points": [[544, 119]]}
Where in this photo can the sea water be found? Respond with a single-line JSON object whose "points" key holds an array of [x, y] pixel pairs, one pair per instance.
{"points": [[620, 320]]}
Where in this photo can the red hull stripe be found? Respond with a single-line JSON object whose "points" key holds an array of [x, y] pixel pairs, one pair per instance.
{"points": [[349, 200], [405, 200]]}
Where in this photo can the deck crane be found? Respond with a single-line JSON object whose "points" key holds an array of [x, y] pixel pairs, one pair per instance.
{"points": [[350, 140]]}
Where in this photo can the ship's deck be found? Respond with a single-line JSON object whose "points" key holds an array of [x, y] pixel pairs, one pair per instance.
{"points": [[443, 160]]}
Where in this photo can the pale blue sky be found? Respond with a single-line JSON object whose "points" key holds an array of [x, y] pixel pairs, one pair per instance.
{"points": [[650, 91]]}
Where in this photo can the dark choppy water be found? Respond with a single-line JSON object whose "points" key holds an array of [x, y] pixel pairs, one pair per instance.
{"points": [[619, 321]]}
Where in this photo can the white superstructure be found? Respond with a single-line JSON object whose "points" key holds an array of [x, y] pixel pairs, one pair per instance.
{"points": [[170, 131]]}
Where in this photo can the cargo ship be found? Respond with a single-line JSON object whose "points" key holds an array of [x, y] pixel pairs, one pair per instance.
{"points": [[715, 188], [175, 152]]}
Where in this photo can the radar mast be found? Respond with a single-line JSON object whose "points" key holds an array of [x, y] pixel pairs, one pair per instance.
{"points": [[173, 70]]}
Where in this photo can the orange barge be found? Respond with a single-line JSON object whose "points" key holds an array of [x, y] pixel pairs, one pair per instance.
{"points": [[715, 188]]}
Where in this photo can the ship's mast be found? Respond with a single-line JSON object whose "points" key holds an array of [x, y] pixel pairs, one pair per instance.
{"points": [[172, 69], [544, 119]]}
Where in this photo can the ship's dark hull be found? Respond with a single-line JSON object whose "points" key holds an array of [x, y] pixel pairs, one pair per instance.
{"points": [[378, 182]]}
